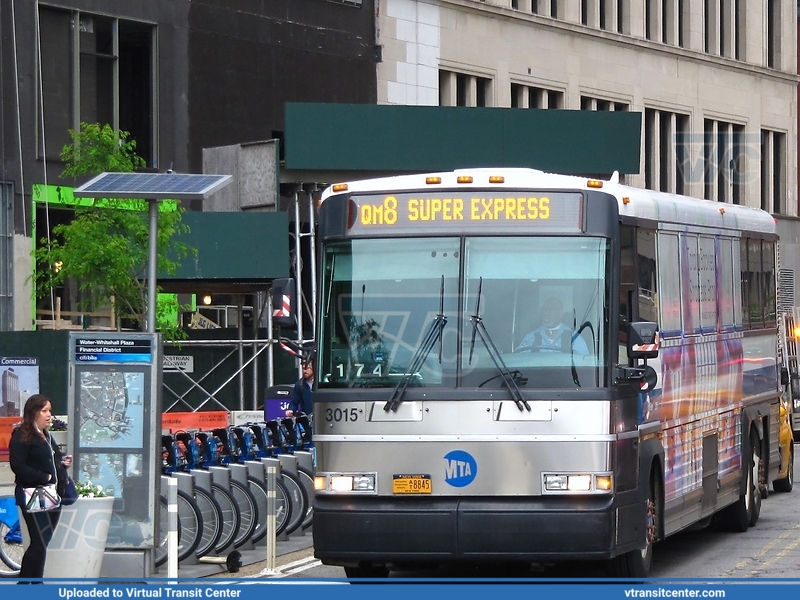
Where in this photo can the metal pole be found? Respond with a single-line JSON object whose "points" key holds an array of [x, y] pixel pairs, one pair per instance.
{"points": [[313, 258], [272, 477], [298, 275], [152, 260], [240, 352], [172, 532], [271, 346]]}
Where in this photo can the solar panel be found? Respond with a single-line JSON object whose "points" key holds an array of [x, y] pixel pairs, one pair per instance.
{"points": [[173, 186]]}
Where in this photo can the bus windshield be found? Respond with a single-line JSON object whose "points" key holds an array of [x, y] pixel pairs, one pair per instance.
{"points": [[542, 303], [404, 309]]}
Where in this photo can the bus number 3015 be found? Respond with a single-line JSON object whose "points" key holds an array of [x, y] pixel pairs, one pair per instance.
{"points": [[341, 414]]}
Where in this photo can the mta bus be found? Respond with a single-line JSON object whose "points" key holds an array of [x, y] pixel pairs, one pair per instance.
{"points": [[447, 432]]}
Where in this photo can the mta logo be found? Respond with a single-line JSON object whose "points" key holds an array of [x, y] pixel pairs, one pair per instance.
{"points": [[460, 469]]}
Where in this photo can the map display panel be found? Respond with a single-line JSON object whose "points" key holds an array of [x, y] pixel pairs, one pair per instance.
{"points": [[111, 409]]}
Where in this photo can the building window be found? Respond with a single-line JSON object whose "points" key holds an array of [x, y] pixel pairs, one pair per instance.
{"points": [[710, 26], [590, 103], [773, 34], [460, 89], [547, 8], [773, 172], [664, 21], [725, 155], [665, 151], [114, 80], [525, 96]]}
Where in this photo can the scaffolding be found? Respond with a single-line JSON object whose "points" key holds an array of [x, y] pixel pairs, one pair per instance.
{"points": [[250, 352]]}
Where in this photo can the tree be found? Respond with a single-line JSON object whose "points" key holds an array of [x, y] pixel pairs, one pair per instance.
{"points": [[105, 248]]}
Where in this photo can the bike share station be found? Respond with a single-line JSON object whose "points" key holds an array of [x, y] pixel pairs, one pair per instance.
{"points": [[115, 434]]}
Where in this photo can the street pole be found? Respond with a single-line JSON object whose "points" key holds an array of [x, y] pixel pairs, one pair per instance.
{"points": [[152, 261]]}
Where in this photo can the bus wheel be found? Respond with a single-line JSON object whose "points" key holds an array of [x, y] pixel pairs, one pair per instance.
{"points": [[756, 478], [366, 570], [636, 563], [739, 515]]}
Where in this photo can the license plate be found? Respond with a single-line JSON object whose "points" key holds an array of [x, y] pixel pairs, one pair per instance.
{"points": [[411, 484]]}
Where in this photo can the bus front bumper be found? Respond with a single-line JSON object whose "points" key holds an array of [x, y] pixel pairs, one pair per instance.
{"points": [[393, 530]]}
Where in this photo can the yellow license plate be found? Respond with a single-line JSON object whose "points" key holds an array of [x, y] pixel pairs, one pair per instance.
{"points": [[411, 484]]}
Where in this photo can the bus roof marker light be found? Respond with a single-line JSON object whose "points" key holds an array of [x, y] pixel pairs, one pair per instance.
{"points": [[339, 187], [464, 179], [721, 210], [626, 200], [497, 179], [594, 183], [433, 180]]}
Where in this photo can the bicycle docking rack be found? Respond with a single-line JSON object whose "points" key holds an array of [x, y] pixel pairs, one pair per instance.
{"points": [[186, 485], [239, 473], [289, 463], [305, 460], [232, 558]]}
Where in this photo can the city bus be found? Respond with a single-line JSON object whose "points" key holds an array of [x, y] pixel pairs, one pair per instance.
{"points": [[447, 432]]}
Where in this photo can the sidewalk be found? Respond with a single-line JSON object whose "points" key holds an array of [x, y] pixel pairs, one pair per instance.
{"points": [[253, 560]]}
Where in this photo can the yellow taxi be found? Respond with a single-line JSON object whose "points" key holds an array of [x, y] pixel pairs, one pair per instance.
{"points": [[785, 479]]}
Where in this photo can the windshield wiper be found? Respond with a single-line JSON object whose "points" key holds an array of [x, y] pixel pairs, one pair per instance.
{"points": [[494, 353], [421, 353]]}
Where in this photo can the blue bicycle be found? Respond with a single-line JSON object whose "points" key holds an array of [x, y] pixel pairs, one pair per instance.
{"points": [[11, 548]]}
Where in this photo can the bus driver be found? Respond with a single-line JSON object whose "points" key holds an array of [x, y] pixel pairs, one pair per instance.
{"points": [[553, 335]]}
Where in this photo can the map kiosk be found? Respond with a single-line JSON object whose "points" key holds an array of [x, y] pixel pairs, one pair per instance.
{"points": [[114, 405]]}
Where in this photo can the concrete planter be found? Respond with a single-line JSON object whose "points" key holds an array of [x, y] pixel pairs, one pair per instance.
{"points": [[79, 541]]}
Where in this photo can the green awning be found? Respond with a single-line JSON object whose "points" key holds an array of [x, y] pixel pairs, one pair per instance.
{"points": [[237, 252], [387, 138]]}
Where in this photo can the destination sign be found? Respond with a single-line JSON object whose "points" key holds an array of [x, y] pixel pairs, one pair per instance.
{"points": [[473, 209]]}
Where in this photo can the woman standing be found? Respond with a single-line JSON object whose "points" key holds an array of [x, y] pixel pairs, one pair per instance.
{"points": [[33, 456]]}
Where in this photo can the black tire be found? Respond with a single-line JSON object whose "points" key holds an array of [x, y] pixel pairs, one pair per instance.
{"points": [[211, 512], [191, 529], [307, 479], [787, 483], [636, 563], [758, 466], [283, 507], [231, 517], [248, 510], [365, 571], [163, 525], [10, 553], [737, 516], [299, 498]]}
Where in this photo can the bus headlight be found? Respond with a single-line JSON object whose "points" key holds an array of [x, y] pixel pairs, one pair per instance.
{"points": [[579, 483], [346, 482]]}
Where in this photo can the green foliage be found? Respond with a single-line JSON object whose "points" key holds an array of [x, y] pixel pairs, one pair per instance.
{"points": [[105, 248], [97, 148]]}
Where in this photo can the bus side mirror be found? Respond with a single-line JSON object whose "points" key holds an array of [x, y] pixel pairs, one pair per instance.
{"points": [[650, 379], [283, 302], [643, 340], [784, 376]]}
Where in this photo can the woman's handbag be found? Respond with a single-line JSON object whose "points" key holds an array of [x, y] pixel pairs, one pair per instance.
{"points": [[41, 498], [70, 495]]}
